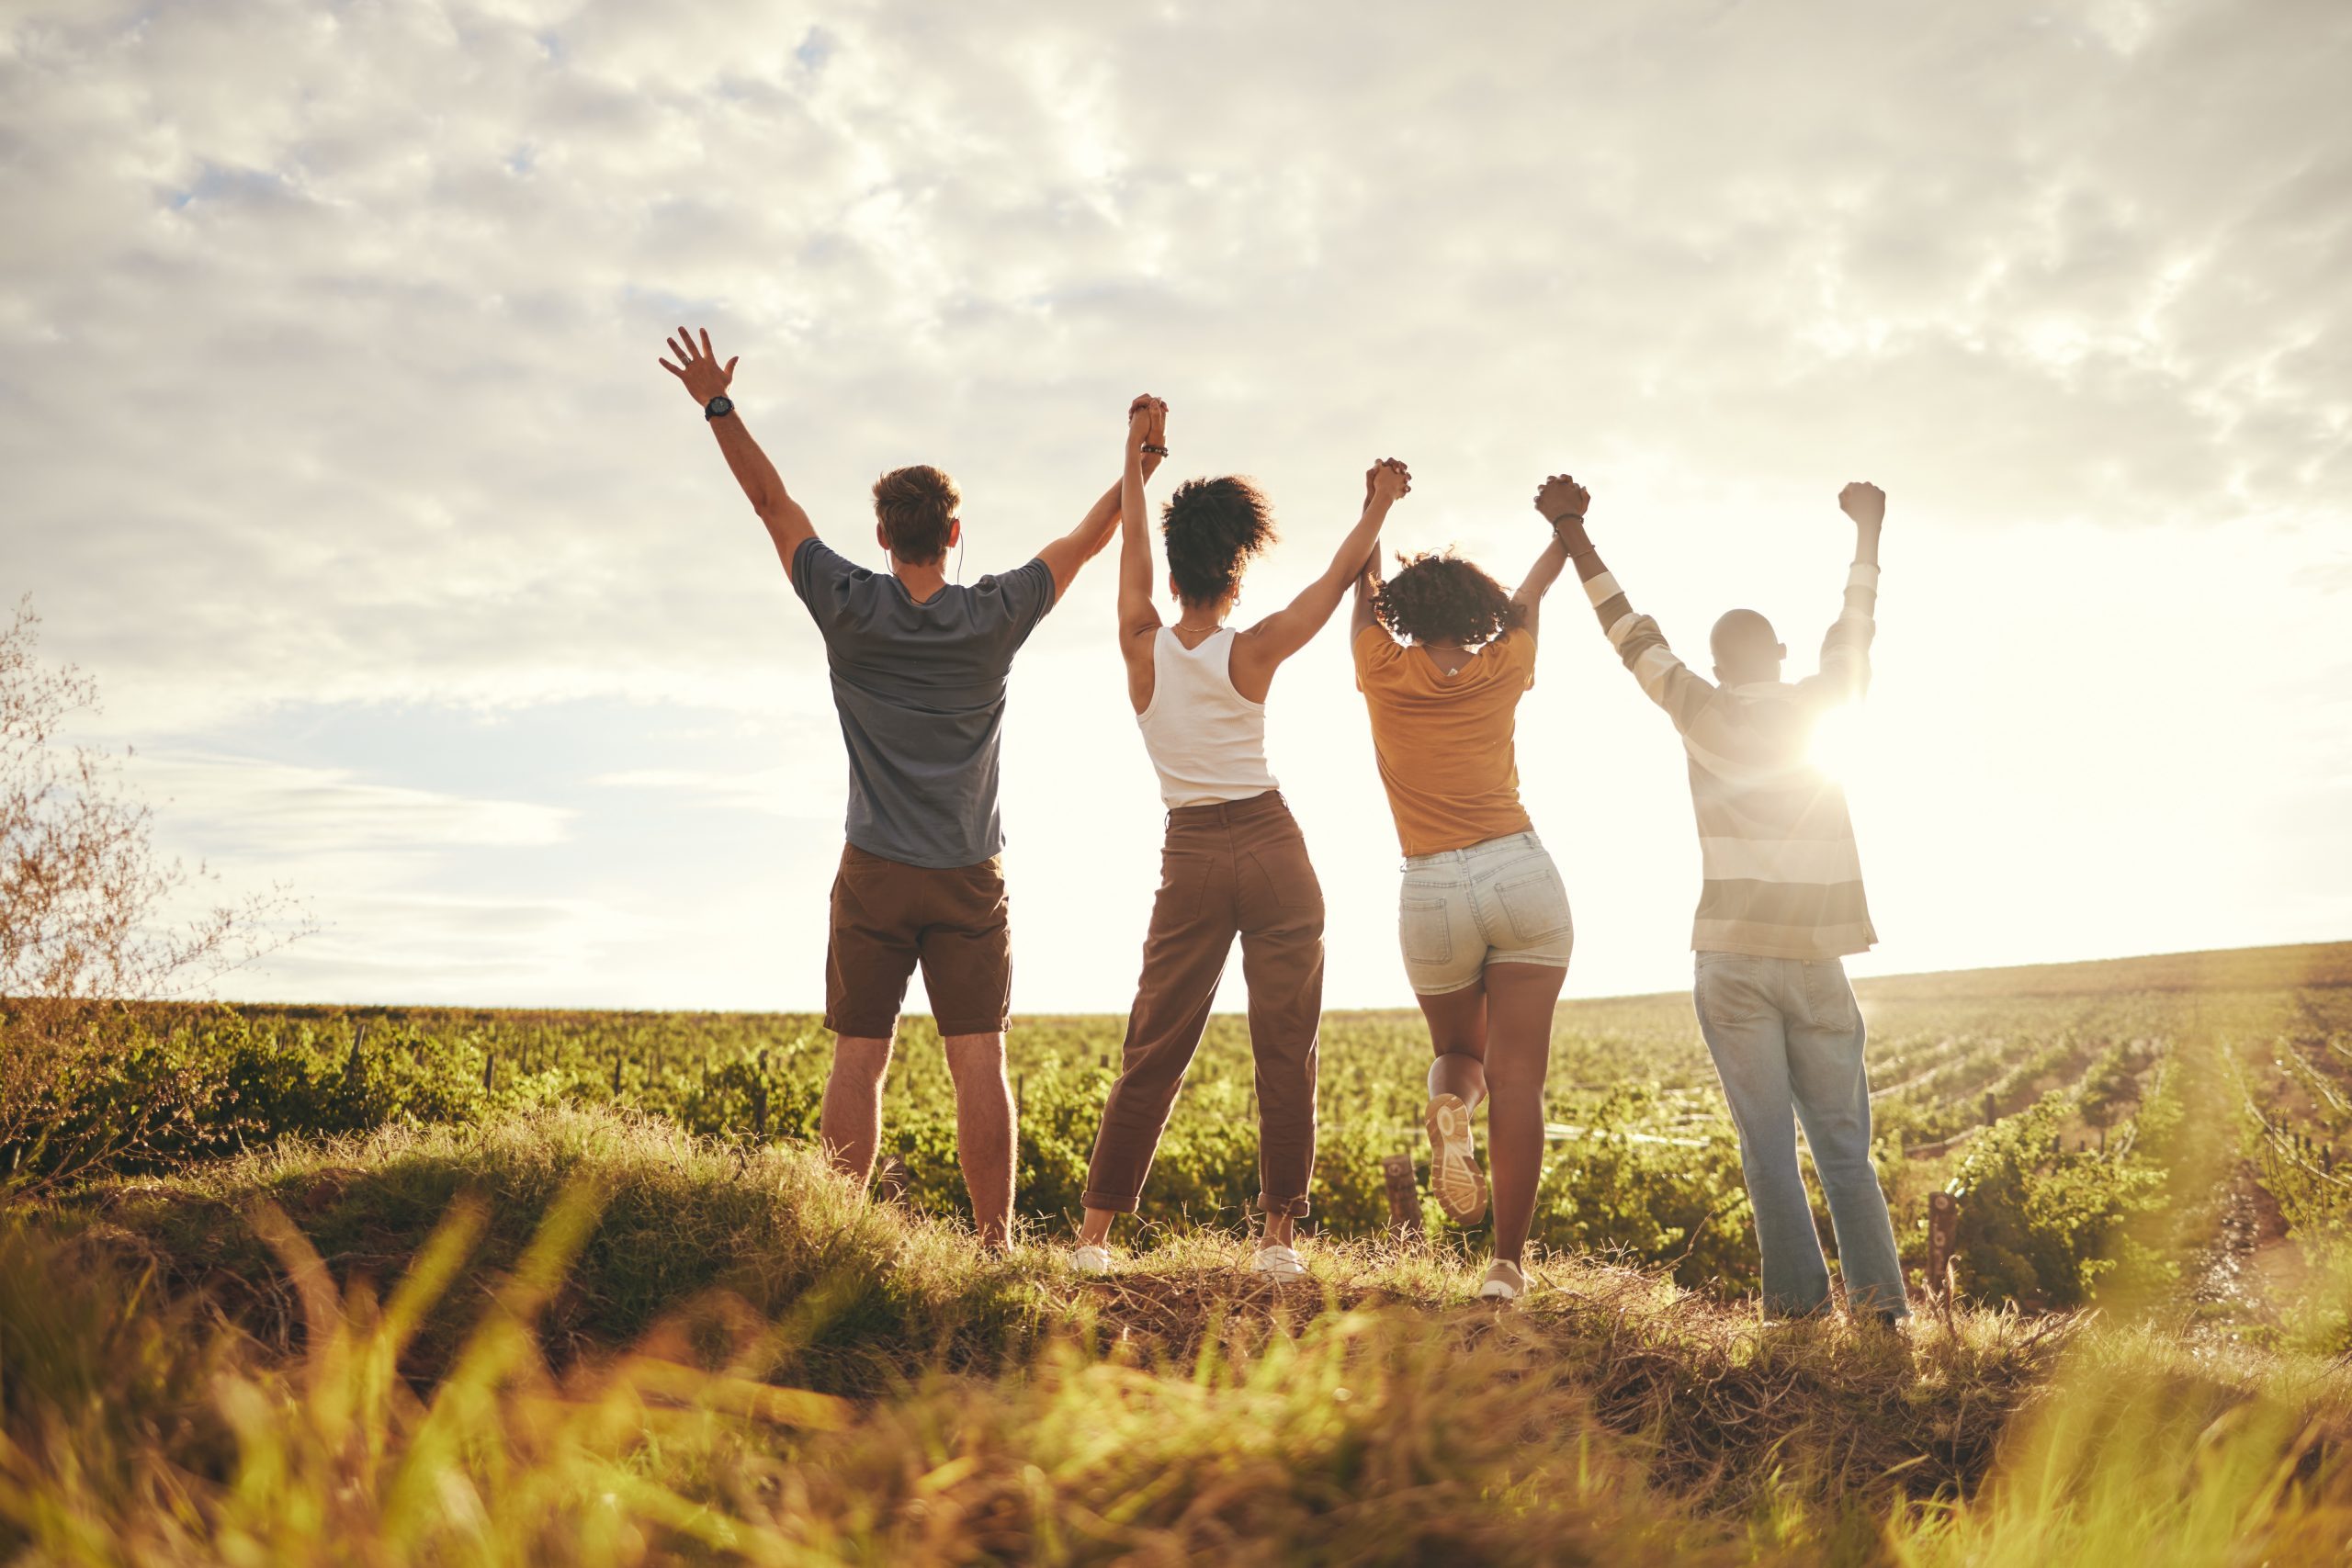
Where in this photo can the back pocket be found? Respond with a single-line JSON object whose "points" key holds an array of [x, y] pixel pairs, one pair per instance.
{"points": [[1536, 905], [1829, 997], [1424, 931]]}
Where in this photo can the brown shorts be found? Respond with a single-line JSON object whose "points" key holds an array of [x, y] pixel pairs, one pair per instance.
{"points": [[888, 916]]}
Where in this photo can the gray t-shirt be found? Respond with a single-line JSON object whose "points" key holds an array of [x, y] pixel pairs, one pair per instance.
{"points": [[920, 692]]}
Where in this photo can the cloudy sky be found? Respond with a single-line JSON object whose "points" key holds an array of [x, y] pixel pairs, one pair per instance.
{"points": [[333, 445]]}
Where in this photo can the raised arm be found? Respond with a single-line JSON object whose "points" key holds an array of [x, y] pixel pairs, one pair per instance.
{"points": [[705, 379], [1664, 678], [1845, 650], [1546, 569], [1367, 610], [1066, 555], [1563, 502], [1264, 646], [1140, 450], [1145, 441]]}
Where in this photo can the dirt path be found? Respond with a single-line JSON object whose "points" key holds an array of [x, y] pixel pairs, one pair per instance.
{"points": [[2248, 1248]]}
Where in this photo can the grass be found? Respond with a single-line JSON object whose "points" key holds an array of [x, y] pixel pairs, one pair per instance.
{"points": [[586, 1337]]}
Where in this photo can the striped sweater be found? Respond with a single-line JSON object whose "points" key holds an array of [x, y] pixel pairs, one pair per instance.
{"points": [[1784, 879]]}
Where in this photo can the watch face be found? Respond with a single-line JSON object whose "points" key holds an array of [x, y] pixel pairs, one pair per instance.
{"points": [[718, 406]]}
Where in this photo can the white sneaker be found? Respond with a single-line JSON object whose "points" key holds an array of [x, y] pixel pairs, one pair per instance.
{"points": [[1454, 1176], [1504, 1283], [1282, 1262], [1091, 1259]]}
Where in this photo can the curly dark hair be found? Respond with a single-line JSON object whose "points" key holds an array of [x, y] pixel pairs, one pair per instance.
{"points": [[1213, 527], [1439, 597]]}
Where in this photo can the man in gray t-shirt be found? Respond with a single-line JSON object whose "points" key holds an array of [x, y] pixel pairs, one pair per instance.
{"points": [[918, 668], [919, 685]]}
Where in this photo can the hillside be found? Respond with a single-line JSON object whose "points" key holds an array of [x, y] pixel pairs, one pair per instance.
{"points": [[728, 1358], [392, 1285]]}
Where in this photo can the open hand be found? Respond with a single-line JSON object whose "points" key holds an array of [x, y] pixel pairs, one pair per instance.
{"points": [[701, 372], [1561, 499], [1864, 502], [1386, 479]]}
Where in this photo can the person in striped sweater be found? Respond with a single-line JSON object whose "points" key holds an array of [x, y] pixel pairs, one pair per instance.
{"points": [[1781, 907]]}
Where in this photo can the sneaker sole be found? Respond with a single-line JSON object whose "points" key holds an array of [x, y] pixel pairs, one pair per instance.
{"points": [[1454, 1176]]}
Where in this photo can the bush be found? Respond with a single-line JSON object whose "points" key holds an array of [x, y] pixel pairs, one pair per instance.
{"points": [[2039, 1221]]}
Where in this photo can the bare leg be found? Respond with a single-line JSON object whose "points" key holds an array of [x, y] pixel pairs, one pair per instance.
{"points": [[984, 1132], [1457, 1022], [1521, 997], [1278, 1231], [1096, 1230], [849, 1125]]}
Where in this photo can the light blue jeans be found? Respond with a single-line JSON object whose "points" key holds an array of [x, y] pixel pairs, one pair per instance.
{"points": [[1787, 1039]]}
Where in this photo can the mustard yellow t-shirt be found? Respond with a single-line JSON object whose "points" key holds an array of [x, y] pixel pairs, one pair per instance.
{"points": [[1444, 741]]}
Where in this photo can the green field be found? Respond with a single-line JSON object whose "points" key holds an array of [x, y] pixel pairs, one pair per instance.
{"points": [[651, 1325], [2029, 1092]]}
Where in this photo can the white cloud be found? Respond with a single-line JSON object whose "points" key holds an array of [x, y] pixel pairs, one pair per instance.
{"points": [[248, 805]]}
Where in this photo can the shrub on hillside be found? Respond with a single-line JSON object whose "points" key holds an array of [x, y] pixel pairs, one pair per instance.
{"points": [[2041, 1220], [83, 925]]}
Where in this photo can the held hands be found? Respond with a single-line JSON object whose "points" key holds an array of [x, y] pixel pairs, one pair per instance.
{"points": [[1147, 428], [1562, 499], [701, 372], [1864, 502], [1386, 481]]}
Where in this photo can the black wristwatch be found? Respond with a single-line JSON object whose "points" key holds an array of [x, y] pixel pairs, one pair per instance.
{"points": [[719, 407]]}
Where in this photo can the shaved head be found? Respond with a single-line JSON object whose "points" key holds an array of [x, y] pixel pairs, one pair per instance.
{"points": [[1745, 649]]}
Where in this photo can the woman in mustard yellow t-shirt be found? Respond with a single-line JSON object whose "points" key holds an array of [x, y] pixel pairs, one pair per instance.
{"points": [[1443, 656]]}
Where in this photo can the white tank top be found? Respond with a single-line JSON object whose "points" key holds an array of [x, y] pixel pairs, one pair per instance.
{"points": [[1207, 739]]}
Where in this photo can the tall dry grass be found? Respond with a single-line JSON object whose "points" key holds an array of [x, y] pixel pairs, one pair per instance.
{"points": [[585, 1339]]}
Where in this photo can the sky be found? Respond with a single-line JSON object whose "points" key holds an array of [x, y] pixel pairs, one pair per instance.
{"points": [[334, 447]]}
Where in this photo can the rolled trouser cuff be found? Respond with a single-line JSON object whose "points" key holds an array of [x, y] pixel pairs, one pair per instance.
{"points": [[1282, 1208], [1109, 1204]]}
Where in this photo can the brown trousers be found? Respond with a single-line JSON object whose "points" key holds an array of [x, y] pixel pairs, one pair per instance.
{"points": [[1235, 869]]}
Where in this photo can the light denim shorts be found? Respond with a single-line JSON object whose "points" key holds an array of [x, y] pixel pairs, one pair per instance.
{"points": [[1499, 902]]}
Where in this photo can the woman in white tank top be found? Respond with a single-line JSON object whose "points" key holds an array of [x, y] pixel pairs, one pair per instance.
{"points": [[1234, 864]]}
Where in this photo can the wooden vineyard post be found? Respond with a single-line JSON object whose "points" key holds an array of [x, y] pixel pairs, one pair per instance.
{"points": [[1943, 1229], [354, 1066], [890, 1179], [760, 1097], [1403, 1195], [489, 1071]]}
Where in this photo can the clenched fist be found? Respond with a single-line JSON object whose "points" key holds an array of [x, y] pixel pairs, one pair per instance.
{"points": [[1864, 502]]}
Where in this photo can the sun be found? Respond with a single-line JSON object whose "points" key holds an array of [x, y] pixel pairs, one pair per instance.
{"points": [[1841, 744]]}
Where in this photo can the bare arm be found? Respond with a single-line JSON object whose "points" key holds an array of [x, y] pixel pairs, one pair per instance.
{"points": [[788, 526], [1563, 502], [1136, 612], [1066, 555], [1292, 628], [1367, 610], [1138, 618]]}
